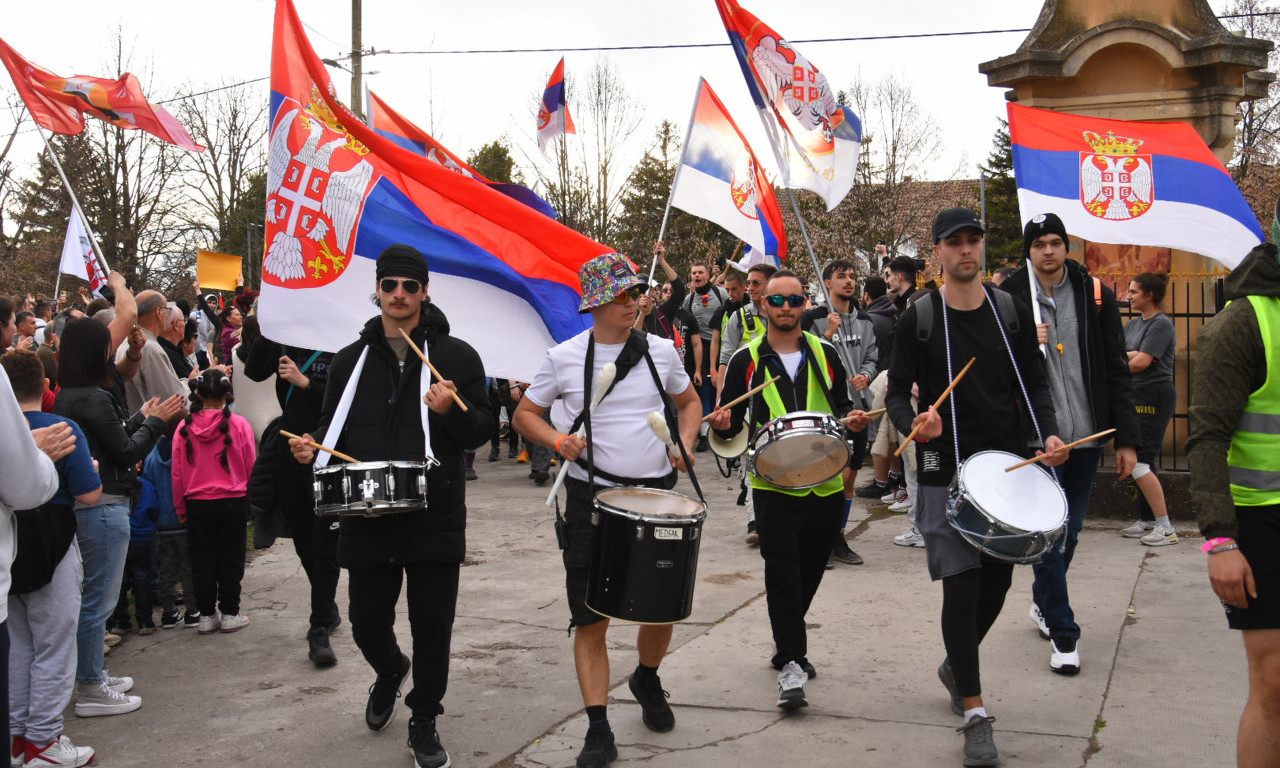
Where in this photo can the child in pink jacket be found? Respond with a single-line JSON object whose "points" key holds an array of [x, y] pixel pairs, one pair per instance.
{"points": [[213, 455]]}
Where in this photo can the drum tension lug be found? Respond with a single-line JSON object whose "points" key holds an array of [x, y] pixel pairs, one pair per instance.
{"points": [[639, 533]]}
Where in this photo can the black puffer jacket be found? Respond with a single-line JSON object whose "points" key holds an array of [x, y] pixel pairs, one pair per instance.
{"points": [[385, 424], [116, 440]]}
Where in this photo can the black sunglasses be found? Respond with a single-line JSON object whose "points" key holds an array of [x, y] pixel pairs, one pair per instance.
{"points": [[776, 300], [389, 285]]}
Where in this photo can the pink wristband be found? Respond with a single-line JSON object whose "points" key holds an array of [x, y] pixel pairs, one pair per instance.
{"points": [[1211, 543]]}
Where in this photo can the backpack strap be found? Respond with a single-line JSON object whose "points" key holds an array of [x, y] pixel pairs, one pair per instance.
{"points": [[1007, 310]]}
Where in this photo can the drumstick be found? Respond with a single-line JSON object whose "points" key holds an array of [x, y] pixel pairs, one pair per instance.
{"points": [[739, 399], [869, 414], [318, 446], [608, 372], [941, 399], [1066, 447], [427, 363]]}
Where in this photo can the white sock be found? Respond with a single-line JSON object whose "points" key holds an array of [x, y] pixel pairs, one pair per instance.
{"points": [[969, 714], [1163, 524]]}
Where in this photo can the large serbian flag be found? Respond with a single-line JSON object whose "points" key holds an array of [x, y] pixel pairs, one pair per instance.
{"points": [[394, 126], [1133, 183], [338, 193], [553, 112], [815, 139], [720, 180], [59, 104]]}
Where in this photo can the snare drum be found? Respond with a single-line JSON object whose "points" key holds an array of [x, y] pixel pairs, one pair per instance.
{"points": [[644, 560], [799, 450], [1011, 516], [371, 488]]}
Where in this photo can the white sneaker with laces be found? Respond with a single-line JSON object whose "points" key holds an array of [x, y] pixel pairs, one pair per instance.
{"points": [[1137, 530], [1065, 656], [1038, 618], [60, 752], [791, 680], [1160, 537], [234, 623], [119, 684], [909, 538], [99, 700], [903, 504], [891, 496]]}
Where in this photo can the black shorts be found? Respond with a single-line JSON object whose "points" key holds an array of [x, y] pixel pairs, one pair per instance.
{"points": [[580, 541], [1155, 405], [1259, 540]]}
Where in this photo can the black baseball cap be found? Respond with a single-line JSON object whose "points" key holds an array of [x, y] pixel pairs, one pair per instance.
{"points": [[951, 220]]}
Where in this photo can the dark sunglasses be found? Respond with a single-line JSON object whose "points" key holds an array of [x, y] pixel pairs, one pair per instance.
{"points": [[389, 285], [777, 300], [631, 294]]}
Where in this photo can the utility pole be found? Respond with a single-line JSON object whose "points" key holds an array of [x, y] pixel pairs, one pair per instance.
{"points": [[357, 89]]}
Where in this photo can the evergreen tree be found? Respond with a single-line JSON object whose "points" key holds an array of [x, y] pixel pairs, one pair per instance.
{"points": [[494, 162], [1004, 224]]}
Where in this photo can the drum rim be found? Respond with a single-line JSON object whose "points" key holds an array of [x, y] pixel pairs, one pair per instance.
{"points": [[1046, 472], [697, 517]]}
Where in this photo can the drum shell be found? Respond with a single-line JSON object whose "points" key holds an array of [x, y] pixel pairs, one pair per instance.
{"points": [[370, 489], [799, 450], [329, 487], [987, 531], [643, 568]]}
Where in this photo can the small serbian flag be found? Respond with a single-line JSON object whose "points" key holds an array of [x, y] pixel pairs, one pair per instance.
{"points": [[1132, 183], [59, 104], [553, 113], [720, 180], [78, 259], [394, 126]]}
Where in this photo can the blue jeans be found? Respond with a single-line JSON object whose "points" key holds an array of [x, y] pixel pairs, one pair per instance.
{"points": [[1076, 476], [103, 535], [707, 394]]}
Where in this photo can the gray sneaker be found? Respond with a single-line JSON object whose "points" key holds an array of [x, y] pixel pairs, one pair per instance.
{"points": [[948, 679], [791, 682], [99, 700], [1138, 529], [979, 746]]}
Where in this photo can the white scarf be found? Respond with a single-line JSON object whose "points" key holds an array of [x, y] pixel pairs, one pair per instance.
{"points": [[349, 393]]}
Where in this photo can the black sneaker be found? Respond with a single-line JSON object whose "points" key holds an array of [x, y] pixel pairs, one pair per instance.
{"points": [[752, 536], [807, 666], [702, 445], [841, 552], [948, 679], [513, 451], [872, 490], [655, 711], [190, 618], [318, 648], [383, 695], [599, 750], [424, 743], [471, 475], [169, 619], [493, 453], [539, 476]]}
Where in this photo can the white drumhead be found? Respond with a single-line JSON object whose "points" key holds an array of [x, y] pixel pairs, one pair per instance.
{"points": [[650, 503], [1027, 498]]}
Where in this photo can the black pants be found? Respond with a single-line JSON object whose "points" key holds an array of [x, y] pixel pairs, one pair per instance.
{"points": [[971, 601], [795, 541], [315, 539], [216, 542], [433, 599], [139, 576]]}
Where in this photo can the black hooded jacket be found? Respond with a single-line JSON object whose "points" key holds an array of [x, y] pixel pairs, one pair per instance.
{"points": [[385, 424]]}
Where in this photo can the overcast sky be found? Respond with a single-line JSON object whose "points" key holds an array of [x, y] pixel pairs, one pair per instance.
{"points": [[467, 100]]}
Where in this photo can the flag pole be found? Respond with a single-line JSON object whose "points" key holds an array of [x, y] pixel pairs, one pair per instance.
{"points": [[671, 193], [75, 204], [813, 259]]}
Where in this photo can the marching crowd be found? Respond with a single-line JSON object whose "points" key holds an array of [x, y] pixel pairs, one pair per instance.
{"points": [[156, 437]]}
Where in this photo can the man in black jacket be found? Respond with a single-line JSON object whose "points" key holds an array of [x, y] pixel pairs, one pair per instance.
{"points": [[385, 421], [1078, 326]]}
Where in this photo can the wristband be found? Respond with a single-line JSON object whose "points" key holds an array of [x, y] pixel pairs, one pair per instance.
{"points": [[131, 357], [1224, 548], [559, 441], [1212, 543]]}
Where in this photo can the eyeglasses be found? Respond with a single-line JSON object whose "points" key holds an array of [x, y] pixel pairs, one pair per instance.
{"points": [[389, 285], [755, 282], [631, 294], [777, 300]]}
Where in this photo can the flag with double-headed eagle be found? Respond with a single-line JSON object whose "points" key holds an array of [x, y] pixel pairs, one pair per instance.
{"points": [[338, 193], [59, 104], [396, 127], [720, 180], [553, 111], [1129, 182], [815, 140]]}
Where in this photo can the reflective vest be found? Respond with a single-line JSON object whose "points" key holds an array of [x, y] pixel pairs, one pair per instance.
{"points": [[1253, 461], [753, 325], [815, 400]]}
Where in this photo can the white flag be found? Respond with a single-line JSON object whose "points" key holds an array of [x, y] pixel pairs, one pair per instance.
{"points": [[77, 255]]}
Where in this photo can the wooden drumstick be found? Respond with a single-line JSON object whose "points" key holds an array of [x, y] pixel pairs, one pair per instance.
{"points": [[739, 399], [434, 372], [608, 372], [1066, 447], [941, 399], [869, 414], [320, 447]]}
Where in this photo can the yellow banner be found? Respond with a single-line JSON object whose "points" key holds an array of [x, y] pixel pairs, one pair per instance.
{"points": [[217, 271]]}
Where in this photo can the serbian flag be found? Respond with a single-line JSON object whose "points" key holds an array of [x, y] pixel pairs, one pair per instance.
{"points": [[59, 104], [394, 126], [720, 180], [1133, 183], [78, 259], [553, 113], [816, 140], [338, 193]]}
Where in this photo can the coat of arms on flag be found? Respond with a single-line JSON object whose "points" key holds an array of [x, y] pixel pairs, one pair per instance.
{"points": [[1115, 181], [317, 181]]}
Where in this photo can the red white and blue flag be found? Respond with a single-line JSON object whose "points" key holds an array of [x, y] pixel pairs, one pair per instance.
{"points": [[720, 180], [1128, 182], [338, 193], [553, 112], [815, 139], [396, 127], [78, 259]]}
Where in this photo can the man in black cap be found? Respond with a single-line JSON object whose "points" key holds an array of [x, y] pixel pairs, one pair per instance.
{"points": [[1078, 326], [373, 410]]}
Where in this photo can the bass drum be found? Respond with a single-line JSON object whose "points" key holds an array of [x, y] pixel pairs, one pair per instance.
{"points": [[644, 561]]}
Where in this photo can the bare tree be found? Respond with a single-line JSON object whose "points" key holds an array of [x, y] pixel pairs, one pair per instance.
{"points": [[1257, 143]]}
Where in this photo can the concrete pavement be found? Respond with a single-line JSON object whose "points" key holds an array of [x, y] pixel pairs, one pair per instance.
{"points": [[1162, 684]]}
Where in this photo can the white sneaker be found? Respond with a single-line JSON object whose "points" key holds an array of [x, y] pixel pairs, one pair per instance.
{"points": [[118, 684], [209, 624], [59, 752], [1064, 657], [1160, 537], [791, 680], [891, 496], [1138, 529], [903, 504], [909, 538], [99, 699], [234, 623], [1038, 618]]}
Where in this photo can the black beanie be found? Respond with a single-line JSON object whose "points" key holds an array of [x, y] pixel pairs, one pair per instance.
{"points": [[403, 261], [1044, 224]]}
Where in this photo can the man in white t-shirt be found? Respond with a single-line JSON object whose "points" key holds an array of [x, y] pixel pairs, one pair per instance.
{"points": [[624, 451]]}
